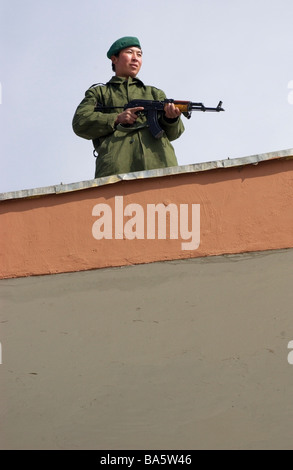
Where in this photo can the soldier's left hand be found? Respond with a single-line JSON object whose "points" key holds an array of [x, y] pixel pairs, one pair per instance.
{"points": [[171, 112]]}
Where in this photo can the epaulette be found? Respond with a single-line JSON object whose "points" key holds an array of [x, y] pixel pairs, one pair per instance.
{"points": [[98, 84]]}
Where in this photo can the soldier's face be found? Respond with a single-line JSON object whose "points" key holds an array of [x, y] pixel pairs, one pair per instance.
{"points": [[128, 63]]}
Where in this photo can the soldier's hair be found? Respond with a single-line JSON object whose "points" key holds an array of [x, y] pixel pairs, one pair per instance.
{"points": [[113, 65]]}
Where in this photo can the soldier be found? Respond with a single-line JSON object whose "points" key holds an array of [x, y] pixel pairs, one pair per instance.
{"points": [[122, 140]]}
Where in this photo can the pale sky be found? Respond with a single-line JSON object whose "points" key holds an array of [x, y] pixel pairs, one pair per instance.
{"points": [[237, 51]]}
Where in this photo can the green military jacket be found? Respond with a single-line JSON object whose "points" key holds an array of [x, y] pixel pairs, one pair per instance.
{"points": [[124, 149]]}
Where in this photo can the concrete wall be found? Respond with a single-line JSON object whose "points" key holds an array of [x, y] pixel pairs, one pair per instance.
{"points": [[190, 353]]}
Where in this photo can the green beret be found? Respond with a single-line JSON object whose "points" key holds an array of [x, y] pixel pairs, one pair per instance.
{"points": [[122, 43]]}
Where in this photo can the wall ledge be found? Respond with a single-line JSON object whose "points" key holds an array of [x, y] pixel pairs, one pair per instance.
{"points": [[161, 172]]}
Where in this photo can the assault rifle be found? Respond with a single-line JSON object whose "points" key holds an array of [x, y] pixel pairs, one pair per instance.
{"points": [[152, 107]]}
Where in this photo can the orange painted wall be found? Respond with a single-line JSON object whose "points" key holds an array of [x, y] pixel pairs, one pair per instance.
{"points": [[242, 209]]}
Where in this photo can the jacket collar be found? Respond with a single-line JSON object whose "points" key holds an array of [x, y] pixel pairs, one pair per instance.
{"points": [[119, 80]]}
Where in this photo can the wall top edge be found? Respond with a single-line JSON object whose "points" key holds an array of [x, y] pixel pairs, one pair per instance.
{"points": [[161, 172]]}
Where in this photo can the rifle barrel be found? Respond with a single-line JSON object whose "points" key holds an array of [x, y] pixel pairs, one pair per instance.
{"points": [[202, 107]]}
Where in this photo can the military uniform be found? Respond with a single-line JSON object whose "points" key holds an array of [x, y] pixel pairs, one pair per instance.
{"points": [[124, 149]]}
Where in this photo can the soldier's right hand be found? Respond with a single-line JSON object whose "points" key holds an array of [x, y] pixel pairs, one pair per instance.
{"points": [[129, 116]]}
